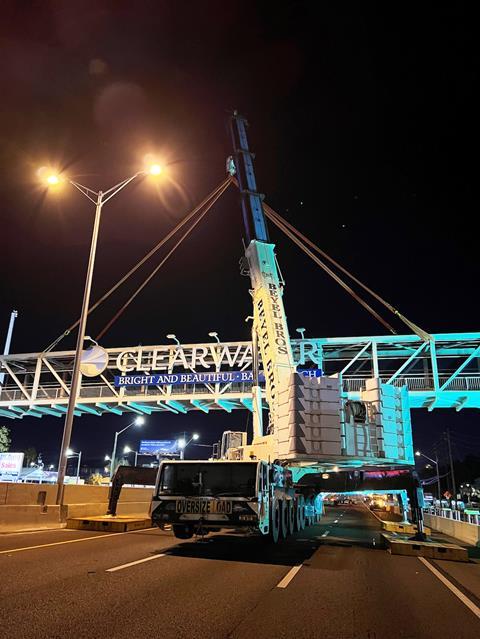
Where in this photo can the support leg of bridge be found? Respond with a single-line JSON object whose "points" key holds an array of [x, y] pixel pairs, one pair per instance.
{"points": [[416, 502], [403, 503]]}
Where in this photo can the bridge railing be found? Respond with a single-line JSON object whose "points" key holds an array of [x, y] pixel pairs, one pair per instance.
{"points": [[457, 515], [53, 391]]}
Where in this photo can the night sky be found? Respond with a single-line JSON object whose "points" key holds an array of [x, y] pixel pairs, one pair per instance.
{"points": [[366, 129]]}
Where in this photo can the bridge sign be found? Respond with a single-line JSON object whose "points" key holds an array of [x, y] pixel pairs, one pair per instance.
{"points": [[221, 377]]}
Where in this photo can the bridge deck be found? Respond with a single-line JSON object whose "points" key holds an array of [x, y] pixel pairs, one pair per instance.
{"points": [[444, 373]]}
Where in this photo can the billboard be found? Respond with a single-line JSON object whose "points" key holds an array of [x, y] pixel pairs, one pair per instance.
{"points": [[10, 466], [158, 447]]}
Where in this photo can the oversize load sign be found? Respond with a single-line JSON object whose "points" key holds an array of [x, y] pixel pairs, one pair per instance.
{"points": [[172, 379]]}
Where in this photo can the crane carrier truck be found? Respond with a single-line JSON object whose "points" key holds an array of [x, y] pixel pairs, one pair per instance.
{"points": [[315, 440]]}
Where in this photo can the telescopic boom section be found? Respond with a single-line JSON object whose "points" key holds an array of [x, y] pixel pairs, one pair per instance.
{"points": [[270, 328]]}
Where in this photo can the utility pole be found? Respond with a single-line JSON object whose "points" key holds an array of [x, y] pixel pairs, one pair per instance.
{"points": [[438, 480], [452, 470]]}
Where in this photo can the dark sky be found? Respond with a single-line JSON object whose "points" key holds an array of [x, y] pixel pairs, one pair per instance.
{"points": [[365, 124]]}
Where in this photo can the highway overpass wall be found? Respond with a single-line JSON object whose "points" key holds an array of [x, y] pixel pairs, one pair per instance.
{"points": [[461, 530]]}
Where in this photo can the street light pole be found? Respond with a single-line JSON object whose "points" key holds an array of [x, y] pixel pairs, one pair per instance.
{"points": [[101, 198], [114, 453], [78, 465], [76, 376], [138, 421], [182, 443], [6, 349], [434, 461]]}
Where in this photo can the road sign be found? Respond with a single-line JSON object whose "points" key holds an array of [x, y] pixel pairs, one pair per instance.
{"points": [[10, 466], [158, 447]]}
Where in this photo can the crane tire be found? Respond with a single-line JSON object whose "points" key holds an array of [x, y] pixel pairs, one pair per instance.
{"points": [[283, 518], [300, 512], [291, 516], [275, 521]]}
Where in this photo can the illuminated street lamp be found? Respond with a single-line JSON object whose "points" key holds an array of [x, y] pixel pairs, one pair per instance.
{"points": [[138, 421], [215, 335], [434, 461], [155, 169], [53, 180], [182, 443], [174, 337]]}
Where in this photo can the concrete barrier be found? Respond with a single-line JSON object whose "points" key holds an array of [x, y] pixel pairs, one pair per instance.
{"points": [[24, 517], [468, 533], [27, 494], [31, 506]]}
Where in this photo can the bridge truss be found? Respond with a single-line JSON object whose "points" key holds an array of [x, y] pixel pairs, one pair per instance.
{"points": [[441, 373]]}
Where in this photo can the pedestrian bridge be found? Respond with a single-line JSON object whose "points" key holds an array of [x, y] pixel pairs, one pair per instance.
{"points": [[441, 373]]}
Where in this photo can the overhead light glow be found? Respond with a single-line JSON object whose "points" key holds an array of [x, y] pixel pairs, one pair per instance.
{"points": [[155, 169]]}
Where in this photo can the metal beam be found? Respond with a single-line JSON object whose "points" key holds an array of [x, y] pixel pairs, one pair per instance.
{"points": [[110, 409], [475, 353], [407, 363], [198, 404]]}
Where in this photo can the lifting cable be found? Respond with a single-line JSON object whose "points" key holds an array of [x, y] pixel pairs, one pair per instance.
{"points": [[296, 236], [328, 270], [158, 267], [219, 189]]}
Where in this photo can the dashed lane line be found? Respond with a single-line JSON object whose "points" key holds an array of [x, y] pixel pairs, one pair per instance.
{"points": [[326, 533], [69, 541], [458, 593], [134, 563], [289, 576]]}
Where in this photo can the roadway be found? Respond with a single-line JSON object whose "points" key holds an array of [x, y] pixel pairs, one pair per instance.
{"points": [[329, 581]]}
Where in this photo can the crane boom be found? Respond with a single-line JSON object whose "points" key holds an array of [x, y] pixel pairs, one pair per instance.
{"points": [[270, 328]]}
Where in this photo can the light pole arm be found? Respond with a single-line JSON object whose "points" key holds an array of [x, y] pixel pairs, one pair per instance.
{"points": [[429, 459], [121, 185]]}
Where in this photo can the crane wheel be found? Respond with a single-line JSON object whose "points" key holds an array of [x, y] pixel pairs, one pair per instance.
{"points": [[275, 521], [283, 518], [182, 532], [291, 516], [300, 513], [301, 506]]}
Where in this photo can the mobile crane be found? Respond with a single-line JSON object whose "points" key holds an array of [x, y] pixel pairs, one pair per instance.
{"points": [[312, 430]]}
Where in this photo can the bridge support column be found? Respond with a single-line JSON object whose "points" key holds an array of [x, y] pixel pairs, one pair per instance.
{"points": [[403, 503], [417, 503]]}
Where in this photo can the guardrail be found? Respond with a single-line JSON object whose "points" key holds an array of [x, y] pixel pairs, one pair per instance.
{"points": [[456, 515]]}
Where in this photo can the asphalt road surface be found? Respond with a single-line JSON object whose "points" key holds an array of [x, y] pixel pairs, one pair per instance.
{"points": [[329, 581]]}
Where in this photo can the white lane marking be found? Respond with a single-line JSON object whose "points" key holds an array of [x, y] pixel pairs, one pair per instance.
{"points": [[336, 521], [134, 563], [34, 532], [458, 593], [70, 541], [327, 532], [289, 576]]}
